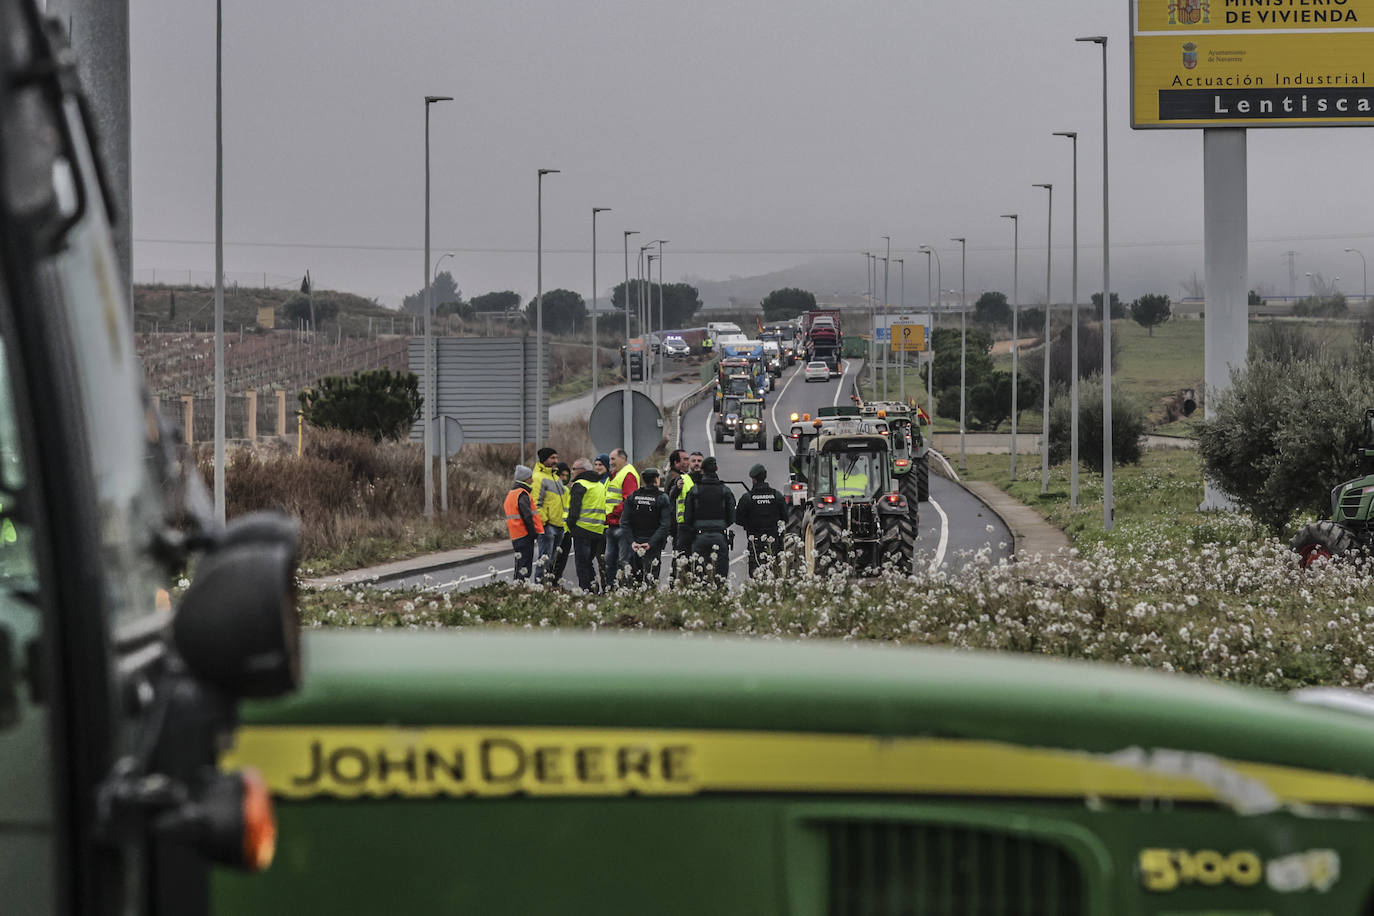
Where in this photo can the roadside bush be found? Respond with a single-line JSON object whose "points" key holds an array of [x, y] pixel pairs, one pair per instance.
{"points": [[380, 403], [1284, 342], [1285, 433], [1128, 426], [1061, 356]]}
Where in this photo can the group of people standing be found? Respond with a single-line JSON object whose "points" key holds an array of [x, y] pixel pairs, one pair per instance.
{"points": [[617, 521]]}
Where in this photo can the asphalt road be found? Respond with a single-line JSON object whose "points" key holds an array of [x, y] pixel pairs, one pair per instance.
{"points": [[954, 525]]}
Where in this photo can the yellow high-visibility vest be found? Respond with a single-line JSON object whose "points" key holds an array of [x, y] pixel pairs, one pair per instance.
{"points": [[592, 516], [614, 494], [681, 508]]}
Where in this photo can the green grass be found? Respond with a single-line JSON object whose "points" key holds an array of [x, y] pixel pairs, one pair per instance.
{"points": [[1160, 495]]}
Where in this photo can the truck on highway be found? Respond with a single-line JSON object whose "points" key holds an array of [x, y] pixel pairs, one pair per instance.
{"points": [[824, 343]]}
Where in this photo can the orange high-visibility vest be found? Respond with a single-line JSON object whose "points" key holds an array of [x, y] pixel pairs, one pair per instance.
{"points": [[514, 523]]}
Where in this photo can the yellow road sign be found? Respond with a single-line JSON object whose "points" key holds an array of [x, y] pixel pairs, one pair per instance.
{"points": [[1252, 63], [908, 338]]}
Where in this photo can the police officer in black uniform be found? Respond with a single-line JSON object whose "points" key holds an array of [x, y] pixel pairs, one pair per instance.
{"points": [[709, 515], [646, 516], [762, 513]]}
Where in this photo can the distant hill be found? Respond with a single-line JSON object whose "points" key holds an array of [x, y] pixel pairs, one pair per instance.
{"points": [[192, 308]]}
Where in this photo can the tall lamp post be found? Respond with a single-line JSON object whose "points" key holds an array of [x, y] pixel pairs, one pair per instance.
{"points": [[1073, 337], [649, 260], [629, 428], [901, 377], [1049, 303], [662, 350], [1015, 326], [220, 465], [596, 341], [887, 259], [1364, 269], [1108, 503], [963, 346], [539, 314], [872, 321], [429, 332], [646, 324]]}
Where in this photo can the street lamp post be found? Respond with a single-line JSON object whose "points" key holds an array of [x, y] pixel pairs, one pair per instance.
{"points": [[429, 334], [539, 314], [1073, 337], [649, 260], [902, 362], [1049, 303], [662, 350], [963, 346], [1364, 270], [887, 258], [872, 321], [629, 428], [1108, 502], [1015, 326], [596, 341]]}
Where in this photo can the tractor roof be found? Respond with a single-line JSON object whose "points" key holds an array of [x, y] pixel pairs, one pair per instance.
{"points": [[846, 442]]}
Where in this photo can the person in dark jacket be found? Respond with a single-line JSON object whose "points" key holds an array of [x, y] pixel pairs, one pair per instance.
{"points": [[709, 513], [680, 483], [587, 525], [646, 519], [761, 512]]}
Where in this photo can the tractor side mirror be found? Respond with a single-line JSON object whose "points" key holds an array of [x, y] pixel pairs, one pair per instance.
{"points": [[793, 465], [777, 442]]}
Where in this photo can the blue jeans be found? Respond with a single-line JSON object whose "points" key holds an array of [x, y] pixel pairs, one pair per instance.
{"points": [[548, 546], [524, 556]]}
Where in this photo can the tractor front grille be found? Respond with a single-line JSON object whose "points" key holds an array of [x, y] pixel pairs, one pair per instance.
{"points": [[889, 868], [1350, 503]]}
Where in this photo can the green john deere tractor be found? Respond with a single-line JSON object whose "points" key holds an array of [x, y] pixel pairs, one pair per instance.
{"points": [[1351, 526]]}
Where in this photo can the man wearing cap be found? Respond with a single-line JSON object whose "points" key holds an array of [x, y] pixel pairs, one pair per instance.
{"points": [[547, 491], [622, 485], [762, 512], [587, 524], [709, 513], [645, 522], [522, 522]]}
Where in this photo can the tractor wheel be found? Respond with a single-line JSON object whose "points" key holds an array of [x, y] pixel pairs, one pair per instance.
{"points": [[739, 442], [820, 543], [909, 486], [902, 553], [795, 515], [1324, 540], [922, 472], [720, 437]]}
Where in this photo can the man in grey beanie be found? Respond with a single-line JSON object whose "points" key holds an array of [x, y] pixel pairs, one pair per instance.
{"points": [[522, 523]]}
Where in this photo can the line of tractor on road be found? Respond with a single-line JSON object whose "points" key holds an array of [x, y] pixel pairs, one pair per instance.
{"points": [[858, 472]]}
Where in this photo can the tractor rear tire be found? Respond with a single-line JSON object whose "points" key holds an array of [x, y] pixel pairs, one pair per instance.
{"points": [[793, 528], [720, 437], [1324, 540], [820, 540], [739, 442], [922, 472], [902, 554], [909, 486]]}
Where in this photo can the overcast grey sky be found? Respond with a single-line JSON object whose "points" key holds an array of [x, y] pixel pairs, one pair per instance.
{"points": [[752, 135]]}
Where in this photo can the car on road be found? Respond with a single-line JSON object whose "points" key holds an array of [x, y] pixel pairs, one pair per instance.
{"points": [[652, 340], [817, 371], [676, 348]]}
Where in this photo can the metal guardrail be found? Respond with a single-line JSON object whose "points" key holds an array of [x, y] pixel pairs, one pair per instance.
{"points": [[684, 404]]}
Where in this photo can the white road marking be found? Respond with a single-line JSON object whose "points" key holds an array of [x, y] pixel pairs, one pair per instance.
{"points": [[710, 435], [843, 372], [773, 411], [940, 547]]}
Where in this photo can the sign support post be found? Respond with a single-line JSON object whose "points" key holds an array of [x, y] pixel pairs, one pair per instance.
{"points": [[1226, 331]]}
